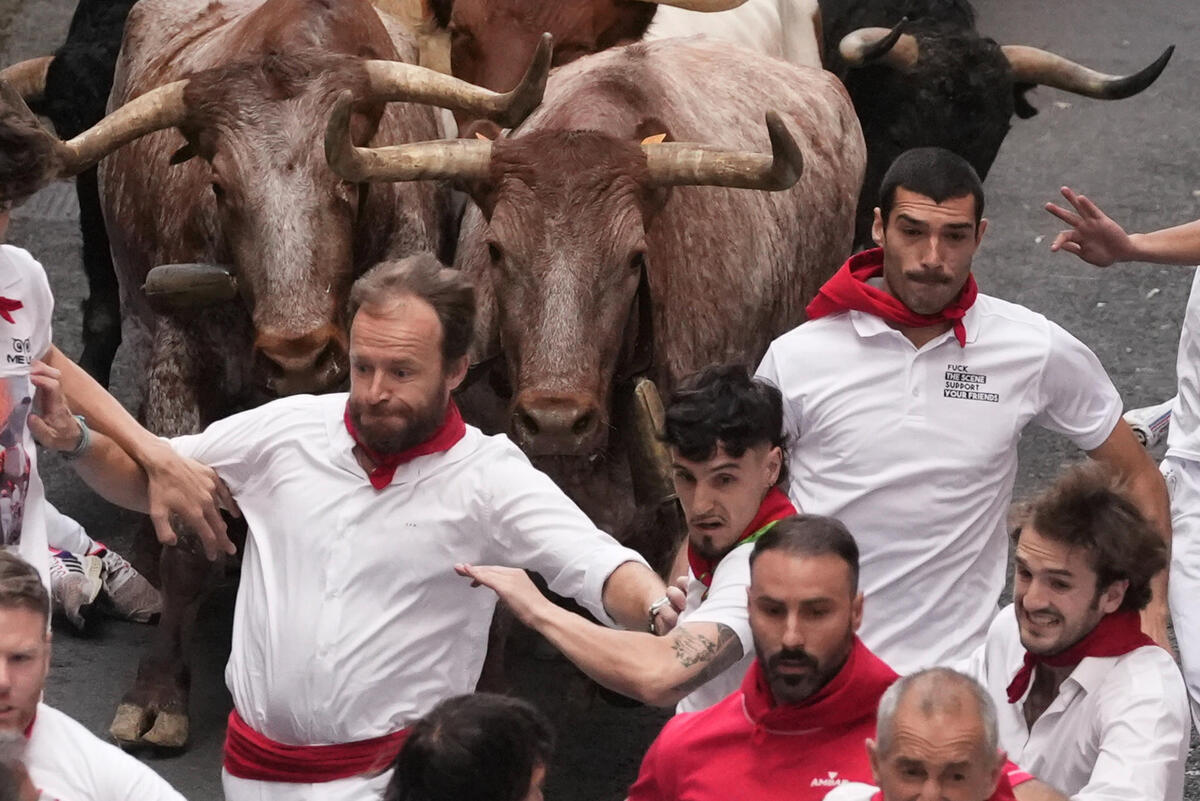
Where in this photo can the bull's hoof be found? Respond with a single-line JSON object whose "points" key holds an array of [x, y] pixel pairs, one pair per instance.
{"points": [[128, 724], [170, 730]]}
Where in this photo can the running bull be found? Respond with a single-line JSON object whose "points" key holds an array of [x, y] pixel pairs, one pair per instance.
{"points": [[215, 188], [921, 75], [600, 258]]}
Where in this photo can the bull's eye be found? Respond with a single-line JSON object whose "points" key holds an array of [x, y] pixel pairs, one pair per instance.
{"points": [[218, 191], [494, 253]]}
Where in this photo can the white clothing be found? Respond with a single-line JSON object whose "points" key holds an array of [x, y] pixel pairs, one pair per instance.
{"points": [[852, 791], [725, 604], [1183, 438], [356, 788], [65, 533], [785, 29], [22, 342], [916, 452], [66, 762], [350, 622], [1119, 728]]}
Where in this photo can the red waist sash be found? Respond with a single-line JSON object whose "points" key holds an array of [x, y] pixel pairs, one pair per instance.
{"points": [[250, 755]]}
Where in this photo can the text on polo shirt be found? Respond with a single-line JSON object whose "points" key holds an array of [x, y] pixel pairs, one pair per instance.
{"points": [[22, 352], [963, 384]]}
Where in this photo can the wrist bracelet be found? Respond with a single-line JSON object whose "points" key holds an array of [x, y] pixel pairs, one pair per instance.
{"points": [[85, 439], [653, 611]]}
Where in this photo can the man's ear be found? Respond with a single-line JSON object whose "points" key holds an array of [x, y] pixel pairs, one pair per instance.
{"points": [[1113, 596], [877, 227], [456, 371], [774, 465], [979, 229], [873, 756]]}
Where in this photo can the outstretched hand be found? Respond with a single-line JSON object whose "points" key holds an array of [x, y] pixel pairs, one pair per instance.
{"points": [[512, 585], [194, 493], [1093, 236]]}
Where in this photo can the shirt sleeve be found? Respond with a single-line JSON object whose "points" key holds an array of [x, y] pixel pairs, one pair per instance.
{"points": [[233, 446], [1144, 731], [537, 527], [769, 370], [1077, 398], [726, 601]]}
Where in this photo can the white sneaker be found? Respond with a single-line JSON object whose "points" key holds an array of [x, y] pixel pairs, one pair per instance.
{"points": [[1150, 424], [132, 596], [75, 581]]}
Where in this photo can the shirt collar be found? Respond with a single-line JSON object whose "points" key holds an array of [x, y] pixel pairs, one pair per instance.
{"points": [[870, 325]]}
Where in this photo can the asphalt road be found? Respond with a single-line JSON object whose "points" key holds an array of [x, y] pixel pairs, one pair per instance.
{"points": [[1138, 158]]}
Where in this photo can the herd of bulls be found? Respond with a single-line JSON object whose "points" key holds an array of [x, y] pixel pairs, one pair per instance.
{"points": [[258, 155]]}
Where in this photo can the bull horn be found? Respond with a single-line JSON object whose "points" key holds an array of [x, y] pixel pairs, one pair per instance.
{"points": [[1031, 65], [28, 78], [889, 46], [462, 159], [649, 460], [682, 164], [699, 5], [171, 287], [395, 80]]}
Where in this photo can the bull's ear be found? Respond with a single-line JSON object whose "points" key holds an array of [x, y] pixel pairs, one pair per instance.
{"points": [[185, 153], [652, 131]]}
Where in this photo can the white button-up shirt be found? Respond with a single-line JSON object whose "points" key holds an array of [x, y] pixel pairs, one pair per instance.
{"points": [[66, 762], [915, 450], [1119, 729], [350, 621]]}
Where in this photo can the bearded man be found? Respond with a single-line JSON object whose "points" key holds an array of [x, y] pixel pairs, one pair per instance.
{"points": [[350, 623]]}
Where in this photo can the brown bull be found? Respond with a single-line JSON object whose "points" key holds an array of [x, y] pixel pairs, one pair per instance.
{"points": [[599, 258], [215, 165]]}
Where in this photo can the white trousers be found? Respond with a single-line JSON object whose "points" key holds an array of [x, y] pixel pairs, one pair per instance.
{"points": [[1183, 483], [352, 789]]}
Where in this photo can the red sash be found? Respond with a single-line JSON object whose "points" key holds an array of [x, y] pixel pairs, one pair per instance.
{"points": [[250, 755], [7, 307], [848, 289], [448, 434], [1115, 635], [774, 507]]}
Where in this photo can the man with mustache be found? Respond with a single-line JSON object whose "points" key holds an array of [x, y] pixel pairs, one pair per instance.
{"points": [[1087, 703], [905, 395], [723, 429], [350, 622]]}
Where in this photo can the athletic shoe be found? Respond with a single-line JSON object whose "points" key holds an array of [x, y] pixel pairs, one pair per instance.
{"points": [[74, 584], [132, 597], [1150, 424]]}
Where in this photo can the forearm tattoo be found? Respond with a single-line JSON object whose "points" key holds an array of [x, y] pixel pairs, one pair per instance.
{"points": [[693, 649]]}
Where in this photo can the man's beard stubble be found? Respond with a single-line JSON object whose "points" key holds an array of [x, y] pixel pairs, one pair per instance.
{"points": [[420, 424], [797, 689]]}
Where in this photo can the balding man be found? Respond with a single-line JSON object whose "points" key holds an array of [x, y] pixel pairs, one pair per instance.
{"points": [[936, 739]]}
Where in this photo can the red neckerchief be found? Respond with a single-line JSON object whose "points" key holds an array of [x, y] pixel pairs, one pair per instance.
{"points": [[774, 507], [8, 306], [1115, 635], [850, 696], [450, 432], [848, 289]]}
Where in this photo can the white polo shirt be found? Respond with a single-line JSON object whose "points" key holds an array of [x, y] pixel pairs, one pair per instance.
{"points": [[1183, 437], [1119, 728], [26, 339], [350, 621], [916, 452], [725, 604], [66, 762]]}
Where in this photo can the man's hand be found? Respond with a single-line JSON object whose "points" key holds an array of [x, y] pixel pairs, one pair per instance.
{"points": [[668, 617], [191, 491], [512, 585], [1093, 235], [52, 424]]}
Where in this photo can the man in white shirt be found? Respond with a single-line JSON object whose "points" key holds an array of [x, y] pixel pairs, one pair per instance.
{"points": [[1087, 702], [905, 395], [350, 622], [723, 429], [1097, 239], [62, 758]]}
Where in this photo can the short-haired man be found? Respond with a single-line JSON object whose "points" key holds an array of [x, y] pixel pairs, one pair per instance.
{"points": [[1087, 703], [905, 395], [62, 758], [350, 622], [723, 431], [936, 738]]}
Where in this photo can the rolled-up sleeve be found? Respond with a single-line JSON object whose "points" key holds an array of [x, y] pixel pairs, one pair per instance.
{"points": [[537, 527]]}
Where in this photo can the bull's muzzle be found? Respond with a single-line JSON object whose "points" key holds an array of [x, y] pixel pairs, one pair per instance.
{"points": [[557, 424], [175, 287]]}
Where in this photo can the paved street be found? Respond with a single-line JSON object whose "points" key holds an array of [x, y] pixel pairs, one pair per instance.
{"points": [[1139, 158]]}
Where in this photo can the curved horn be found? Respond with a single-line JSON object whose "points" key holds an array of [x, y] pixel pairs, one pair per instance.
{"points": [[681, 164], [464, 159], [28, 77], [395, 80], [889, 46], [162, 107], [1031, 65], [699, 5]]}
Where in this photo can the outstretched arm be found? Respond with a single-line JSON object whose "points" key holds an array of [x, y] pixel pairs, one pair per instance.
{"points": [[655, 670], [177, 486], [1098, 239]]}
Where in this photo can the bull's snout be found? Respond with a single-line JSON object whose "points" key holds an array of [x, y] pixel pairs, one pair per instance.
{"points": [[290, 365], [559, 424]]}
